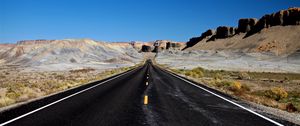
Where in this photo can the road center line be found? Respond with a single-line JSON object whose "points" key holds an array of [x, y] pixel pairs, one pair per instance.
{"points": [[146, 100]]}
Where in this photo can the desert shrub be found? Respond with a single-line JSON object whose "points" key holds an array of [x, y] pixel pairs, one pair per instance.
{"points": [[28, 93], [211, 82], [276, 93], [291, 107], [245, 88], [54, 74], [72, 60], [235, 86], [294, 99], [4, 101], [188, 73], [60, 77], [84, 70], [243, 76], [83, 81], [175, 70], [286, 78], [125, 68], [297, 106], [180, 71], [197, 75], [13, 94], [225, 83], [217, 76], [198, 71]]}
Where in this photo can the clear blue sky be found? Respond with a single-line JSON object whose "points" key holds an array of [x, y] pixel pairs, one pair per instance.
{"points": [[125, 20]]}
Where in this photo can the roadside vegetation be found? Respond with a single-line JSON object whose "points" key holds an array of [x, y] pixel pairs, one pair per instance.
{"points": [[16, 86], [277, 90]]}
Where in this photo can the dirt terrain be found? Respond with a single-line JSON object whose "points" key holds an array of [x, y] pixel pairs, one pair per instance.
{"points": [[280, 40]]}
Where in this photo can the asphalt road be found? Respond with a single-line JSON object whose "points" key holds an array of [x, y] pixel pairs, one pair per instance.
{"points": [[120, 100]]}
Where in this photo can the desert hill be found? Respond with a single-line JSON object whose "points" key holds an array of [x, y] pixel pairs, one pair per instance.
{"points": [[278, 40], [277, 33], [163, 45], [76, 51]]}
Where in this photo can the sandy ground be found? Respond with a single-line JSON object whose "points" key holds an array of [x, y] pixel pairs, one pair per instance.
{"points": [[233, 61]]}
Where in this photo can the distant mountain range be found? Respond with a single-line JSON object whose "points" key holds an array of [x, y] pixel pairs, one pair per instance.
{"points": [[78, 51], [41, 52]]}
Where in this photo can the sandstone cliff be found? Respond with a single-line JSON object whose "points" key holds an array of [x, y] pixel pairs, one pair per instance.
{"points": [[285, 32], [163, 45]]}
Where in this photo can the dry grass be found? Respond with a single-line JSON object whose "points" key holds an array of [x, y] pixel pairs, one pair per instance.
{"points": [[276, 93], [16, 86], [278, 90]]}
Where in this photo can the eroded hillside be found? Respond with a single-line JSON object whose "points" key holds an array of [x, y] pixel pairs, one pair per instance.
{"points": [[277, 33], [62, 54]]}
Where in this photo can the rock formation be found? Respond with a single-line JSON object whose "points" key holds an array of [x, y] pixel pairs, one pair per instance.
{"points": [[162, 45], [30, 42], [280, 18], [251, 26], [209, 32], [146, 48], [225, 32], [173, 45], [168, 45], [246, 24], [157, 49], [195, 40]]}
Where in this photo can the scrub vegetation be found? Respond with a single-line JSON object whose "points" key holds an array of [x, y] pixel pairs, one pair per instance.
{"points": [[278, 90], [16, 86]]}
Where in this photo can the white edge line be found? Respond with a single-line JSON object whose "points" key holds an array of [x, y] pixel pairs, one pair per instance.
{"points": [[36, 110], [249, 110]]}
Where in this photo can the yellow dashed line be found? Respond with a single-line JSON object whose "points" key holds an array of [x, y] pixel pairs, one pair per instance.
{"points": [[145, 100]]}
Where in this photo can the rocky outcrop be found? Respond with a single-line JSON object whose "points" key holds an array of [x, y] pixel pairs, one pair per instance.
{"points": [[280, 18], [173, 45], [225, 32], [157, 49], [246, 24], [158, 46], [146, 48], [209, 32], [162, 45], [251, 26], [168, 45], [291, 17], [195, 40], [30, 42]]}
